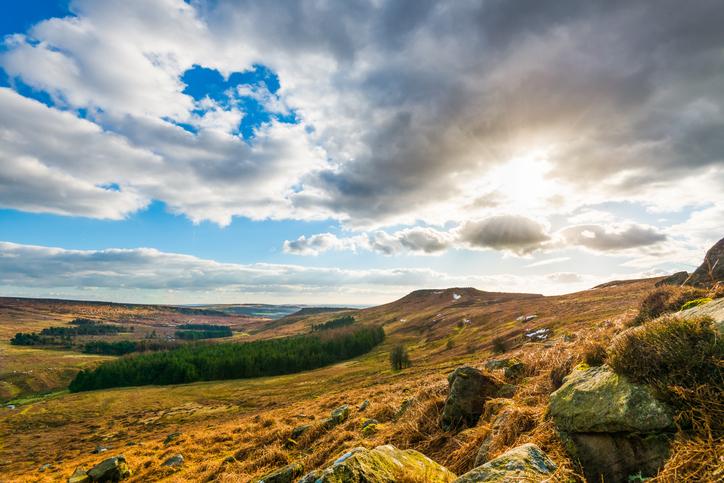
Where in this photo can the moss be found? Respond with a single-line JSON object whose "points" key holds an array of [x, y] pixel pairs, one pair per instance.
{"points": [[696, 302]]}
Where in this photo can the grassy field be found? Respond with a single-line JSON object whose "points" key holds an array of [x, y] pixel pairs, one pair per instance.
{"points": [[238, 430]]}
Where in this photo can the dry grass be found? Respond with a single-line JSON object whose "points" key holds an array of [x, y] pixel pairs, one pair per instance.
{"points": [[664, 300]]}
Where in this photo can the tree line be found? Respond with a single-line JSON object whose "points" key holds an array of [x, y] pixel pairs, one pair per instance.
{"points": [[197, 362], [337, 323], [123, 347]]}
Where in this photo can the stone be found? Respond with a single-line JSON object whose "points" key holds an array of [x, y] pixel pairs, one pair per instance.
{"points": [[614, 457], [596, 399], [406, 404], [713, 309], [285, 474], [171, 437], [514, 370], [712, 269], [111, 469], [339, 415], [507, 390], [44, 467], [383, 464], [173, 461], [365, 404], [524, 463], [99, 449], [468, 390], [298, 431], [677, 278], [369, 426], [79, 476]]}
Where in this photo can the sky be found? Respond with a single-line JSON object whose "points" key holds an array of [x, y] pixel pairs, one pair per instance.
{"points": [[314, 152]]}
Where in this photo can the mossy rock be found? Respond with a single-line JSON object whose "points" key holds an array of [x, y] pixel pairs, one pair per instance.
{"points": [[111, 469], [598, 400], [285, 474], [383, 464], [695, 303], [524, 463], [469, 389]]}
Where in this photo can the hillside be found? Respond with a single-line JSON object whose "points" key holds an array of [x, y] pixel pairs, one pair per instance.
{"points": [[252, 419]]}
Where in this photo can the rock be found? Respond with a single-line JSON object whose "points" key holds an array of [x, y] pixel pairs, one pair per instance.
{"points": [[298, 431], [468, 390], [524, 463], [44, 467], [175, 460], [383, 464], [79, 476], [597, 400], [508, 413], [369, 426], [712, 269], [613, 427], [285, 474], [613, 457], [507, 390], [171, 437], [111, 469], [406, 404], [713, 309], [367, 422], [10, 406], [99, 449], [365, 404], [676, 279], [539, 335], [514, 369], [340, 415]]}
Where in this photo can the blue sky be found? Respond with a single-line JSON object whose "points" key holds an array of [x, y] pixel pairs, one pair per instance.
{"points": [[211, 152]]}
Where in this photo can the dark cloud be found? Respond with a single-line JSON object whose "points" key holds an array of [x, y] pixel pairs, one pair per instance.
{"points": [[508, 232], [605, 238]]}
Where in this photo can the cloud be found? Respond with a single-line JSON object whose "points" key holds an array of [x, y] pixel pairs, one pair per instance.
{"points": [[612, 238], [145, 274], [549, 261], [406, 110], [506, 232], [322, 242]]}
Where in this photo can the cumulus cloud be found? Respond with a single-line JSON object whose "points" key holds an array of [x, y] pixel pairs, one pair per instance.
{"points": [[322, 242], [612, 238], [509, 232], [406, 109]]}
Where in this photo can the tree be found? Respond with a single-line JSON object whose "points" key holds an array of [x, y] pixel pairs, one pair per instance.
{"points": [[399, 359]]}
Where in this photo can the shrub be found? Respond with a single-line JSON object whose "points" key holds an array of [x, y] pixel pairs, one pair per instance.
{"points": [[594, 353], [500, 345], [695, 302], [399, 359], [671, 351], [665, 299]]}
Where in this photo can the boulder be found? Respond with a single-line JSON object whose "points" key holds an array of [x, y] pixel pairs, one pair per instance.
{"points": [[598, 400], [677, 278], [173, 461], [383, 464], [712, 269], [713, 309], [369, 426], [80, 475], [111, 469], [523, 463], [285, 474], [613, 427], [298, 431], [468, 390], [613, 457]]}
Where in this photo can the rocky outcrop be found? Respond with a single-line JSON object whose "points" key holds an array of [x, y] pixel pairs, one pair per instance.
{"points": [[678, 278], [524, 463], [111, 469], [712, 269], [468, 390], [613, 427], [713, 309], [383, 464], [285, 474]]}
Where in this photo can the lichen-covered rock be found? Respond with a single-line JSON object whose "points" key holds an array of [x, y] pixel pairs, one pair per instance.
{"points": [[383, 464], [338, 415], [468, 390], [173, 461], [713, 309], [598, 400], [523, 463], [80, 475], [111, 469], [406, 404], [613, 457], [285, 474]]}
